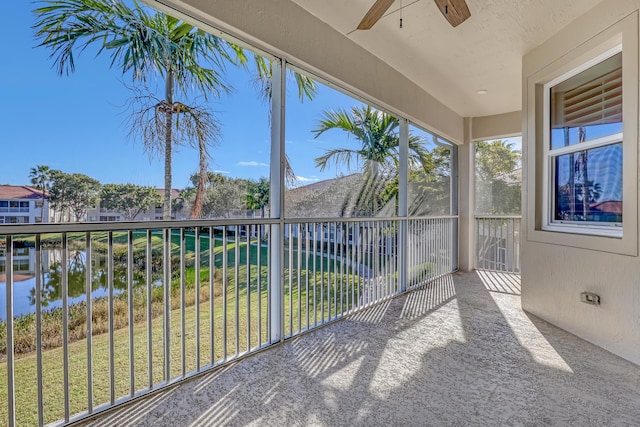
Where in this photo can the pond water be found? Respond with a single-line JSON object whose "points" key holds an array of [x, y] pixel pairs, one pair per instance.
{"points": [[24, 285], [24, 302]]}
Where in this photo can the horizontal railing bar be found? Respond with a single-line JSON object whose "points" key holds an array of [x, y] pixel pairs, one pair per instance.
{"points": [[363, 219], [71, 227], [498, 216]]}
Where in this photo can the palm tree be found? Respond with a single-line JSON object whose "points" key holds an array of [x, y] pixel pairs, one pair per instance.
{"points": [[40, 178], [380, 142], [378, 154], [258, 195], [146, 45]]}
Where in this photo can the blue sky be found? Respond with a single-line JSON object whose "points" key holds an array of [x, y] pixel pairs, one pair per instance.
{"points": [[77, 123]]}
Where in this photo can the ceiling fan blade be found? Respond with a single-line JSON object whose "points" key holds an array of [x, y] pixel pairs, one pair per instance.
{"points": [[374, 14], [455, 11]]}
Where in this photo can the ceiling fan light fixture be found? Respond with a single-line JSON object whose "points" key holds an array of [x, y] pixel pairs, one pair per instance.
{"points": [[482, 92]]}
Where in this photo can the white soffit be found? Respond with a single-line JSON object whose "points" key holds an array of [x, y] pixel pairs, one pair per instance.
{"points": [[453, 64]]}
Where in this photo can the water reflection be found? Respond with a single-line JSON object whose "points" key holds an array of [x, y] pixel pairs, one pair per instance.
{"points": [[53, 270]]}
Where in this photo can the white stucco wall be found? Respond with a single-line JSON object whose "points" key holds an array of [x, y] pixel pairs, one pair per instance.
{"points": [[557, 267], [285, 29], [497, 126]]}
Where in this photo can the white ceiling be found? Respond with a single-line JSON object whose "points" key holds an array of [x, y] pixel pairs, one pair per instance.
{"points": [[452, 64]]}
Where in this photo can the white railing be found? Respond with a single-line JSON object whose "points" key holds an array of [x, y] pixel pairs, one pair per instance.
{"points": [[432, 249], [333, 268], [112, 312], [498, 243]]}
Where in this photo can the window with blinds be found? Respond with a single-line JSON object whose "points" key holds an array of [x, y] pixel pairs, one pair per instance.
{"points": [[585, 150], [591, 100]]}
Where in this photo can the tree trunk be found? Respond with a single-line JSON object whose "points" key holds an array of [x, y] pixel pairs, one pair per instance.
{"points": [[196, 210], [582, 136], [168, 147], [374, 201]]}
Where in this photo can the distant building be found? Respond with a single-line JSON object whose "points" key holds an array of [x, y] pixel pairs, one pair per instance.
{"points": [[22, 205], [155, 213]]}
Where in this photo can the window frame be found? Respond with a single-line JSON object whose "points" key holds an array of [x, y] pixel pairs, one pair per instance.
{"points": [[549, 155], [583, 51]]}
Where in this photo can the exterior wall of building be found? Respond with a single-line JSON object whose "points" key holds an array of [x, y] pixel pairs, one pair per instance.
{"points": [[100, 214], [15, 209], [18, 211], [104, 215], [558, 266]]}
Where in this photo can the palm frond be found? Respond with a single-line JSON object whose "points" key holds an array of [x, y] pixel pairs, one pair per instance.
{"points": [[262, 78], [307, 87], [337, 156], [342, 120], [137, 41]]}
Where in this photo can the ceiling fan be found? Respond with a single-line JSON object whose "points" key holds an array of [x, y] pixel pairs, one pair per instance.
{"points": [[455, 11]]}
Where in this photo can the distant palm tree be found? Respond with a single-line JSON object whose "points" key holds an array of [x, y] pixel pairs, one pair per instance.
{"points": [[146, 45], [40, 178], [258, 195]]}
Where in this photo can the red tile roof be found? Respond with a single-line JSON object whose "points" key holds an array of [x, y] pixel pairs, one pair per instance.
{"points": [[614, 207], [19, 192]]}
